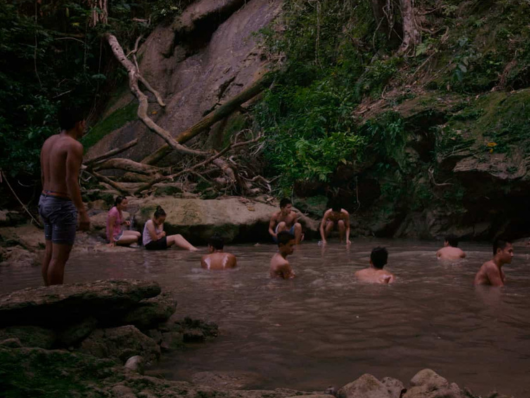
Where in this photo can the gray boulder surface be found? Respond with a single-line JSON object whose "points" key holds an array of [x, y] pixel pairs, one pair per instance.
{"points": [[366, 386]]}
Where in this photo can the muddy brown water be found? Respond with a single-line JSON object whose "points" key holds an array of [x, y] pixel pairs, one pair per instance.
{"points": [[323, 328]]}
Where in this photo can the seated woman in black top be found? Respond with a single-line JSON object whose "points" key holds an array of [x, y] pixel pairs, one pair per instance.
{"points": [[154, 236]]}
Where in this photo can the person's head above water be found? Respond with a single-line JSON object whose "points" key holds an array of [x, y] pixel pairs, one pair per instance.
{"points": [[379, 257], [160, 215], [286, 242], [503, 250], [286, 205], [121, 202], [72, 120], [451, 240], [216, 242]]}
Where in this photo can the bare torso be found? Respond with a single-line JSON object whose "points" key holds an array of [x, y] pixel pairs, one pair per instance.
{"points": [[334, 216], [288, 219], [490, 274], [450, 253], [53, 163], [280, 268], [372, 275], [218, 261]]}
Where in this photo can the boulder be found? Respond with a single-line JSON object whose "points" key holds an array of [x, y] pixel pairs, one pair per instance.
{"points": [[230, 380], [58, 306], [11, 343], [30, 336], [151, 312], [428, 384], [233, 219], [78, 331], [366, 386], [19, 257], [120, 343], [394, 387], [135, 364]]}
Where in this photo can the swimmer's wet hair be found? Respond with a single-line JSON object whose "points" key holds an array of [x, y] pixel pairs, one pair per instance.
{"points": [[284, 202], [119, 199], [379, 257], [284, 237], [452, 240], [159, 212], [69, 115], [500, 244], [216, 241]]}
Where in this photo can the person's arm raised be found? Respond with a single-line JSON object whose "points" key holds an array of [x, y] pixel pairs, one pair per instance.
{"points": [[74, 158]]}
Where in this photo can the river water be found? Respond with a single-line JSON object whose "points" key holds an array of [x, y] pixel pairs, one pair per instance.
{"points": [[323, 328]]}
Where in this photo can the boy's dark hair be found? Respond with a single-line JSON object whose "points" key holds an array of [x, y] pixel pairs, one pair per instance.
{"points": [[379, 257], [216, 242], [336, 207], [452, 240], [119, 199], [69, 115], [284, 237], [500, 244], [159, 212], [284, 202]]}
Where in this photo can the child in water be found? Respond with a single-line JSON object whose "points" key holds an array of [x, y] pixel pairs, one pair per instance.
{"points": [[375, 273], [280, 267], [154, 236], [450, 251], [217, 259]]}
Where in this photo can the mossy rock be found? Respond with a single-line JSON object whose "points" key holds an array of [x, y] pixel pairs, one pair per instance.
{"points": [[113, 122], [315, 205]]}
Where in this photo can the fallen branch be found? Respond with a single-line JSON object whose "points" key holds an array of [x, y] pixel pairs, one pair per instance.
{"points": [[112, 152], [131, 166], [2, 178], [107, 180]]}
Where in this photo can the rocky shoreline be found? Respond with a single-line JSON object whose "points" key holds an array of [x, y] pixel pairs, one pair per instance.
{"points": [[94, 339]]}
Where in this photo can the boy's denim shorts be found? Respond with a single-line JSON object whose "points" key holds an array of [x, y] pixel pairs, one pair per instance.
{"points": [[60, 219]]}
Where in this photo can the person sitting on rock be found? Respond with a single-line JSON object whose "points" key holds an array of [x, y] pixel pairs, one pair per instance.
{"points": [[154, 236], [491, 272], [115, 235], [375, 273], [450, 251], [338, 218], [285, 220], [217, 259], [280, 267]]}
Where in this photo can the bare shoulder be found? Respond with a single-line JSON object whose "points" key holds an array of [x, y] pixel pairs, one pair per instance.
{"points": [[74, 146], [274, 215], [345, 212]]}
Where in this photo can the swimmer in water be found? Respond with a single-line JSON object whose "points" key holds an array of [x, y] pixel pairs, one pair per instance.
{"points": [[336, 217], [491, 273], [375, 273], [450, 251], [217, 259], [280, 267]]}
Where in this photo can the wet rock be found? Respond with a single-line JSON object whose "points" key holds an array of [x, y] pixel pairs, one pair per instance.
{"points": [[120, 343], [231, 380], [30, 336], [171, 341], [19, 257], [314, 396], [394, 387], [136, 364], [11, 343], [366, 386], [428, 384], [58, 306], [151, 312], [76, 332], [121, 391]]}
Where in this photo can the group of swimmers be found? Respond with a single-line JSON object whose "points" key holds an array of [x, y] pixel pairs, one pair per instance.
{"points": [[61, 207]]}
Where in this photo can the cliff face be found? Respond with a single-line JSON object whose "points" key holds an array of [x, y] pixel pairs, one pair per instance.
{"points": [[210, 53]]}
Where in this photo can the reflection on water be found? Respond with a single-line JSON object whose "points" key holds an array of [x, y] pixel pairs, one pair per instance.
{"points": [[323, 328]]}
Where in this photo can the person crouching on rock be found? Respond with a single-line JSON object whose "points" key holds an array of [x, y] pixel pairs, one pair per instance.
{"points": [[154, 236], [450, 251], [217, 259], [375, 273], [280, 267], [115, 235]]}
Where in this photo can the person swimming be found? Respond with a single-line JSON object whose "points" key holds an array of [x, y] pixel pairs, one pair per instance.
{"points": [[450, 251], [285, 220], [338, 218], [280, 267], [154, 236], [217, 259], [375, 273], [115, 235], [491, 273]]}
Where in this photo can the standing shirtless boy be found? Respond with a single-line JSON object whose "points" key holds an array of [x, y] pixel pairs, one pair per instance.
{"points": [[285, 220], [491, 272], [60, 202], [450, 251], [217, 259], [280, 267], [338, 218]]}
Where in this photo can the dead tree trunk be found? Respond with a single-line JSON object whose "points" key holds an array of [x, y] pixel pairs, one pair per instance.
{"points": [[411, 34]]}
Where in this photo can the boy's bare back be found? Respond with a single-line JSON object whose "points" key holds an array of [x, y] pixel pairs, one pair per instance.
{"points": [[280, 268], [59, 155], [450, 253], [370, 275], [218, 261]]}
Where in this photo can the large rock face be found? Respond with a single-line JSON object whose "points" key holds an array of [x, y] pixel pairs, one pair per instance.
{"points": [[209, 55], [233, 219]]}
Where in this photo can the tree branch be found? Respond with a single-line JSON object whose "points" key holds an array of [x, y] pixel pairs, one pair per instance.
{"points": [[111, 153]]}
